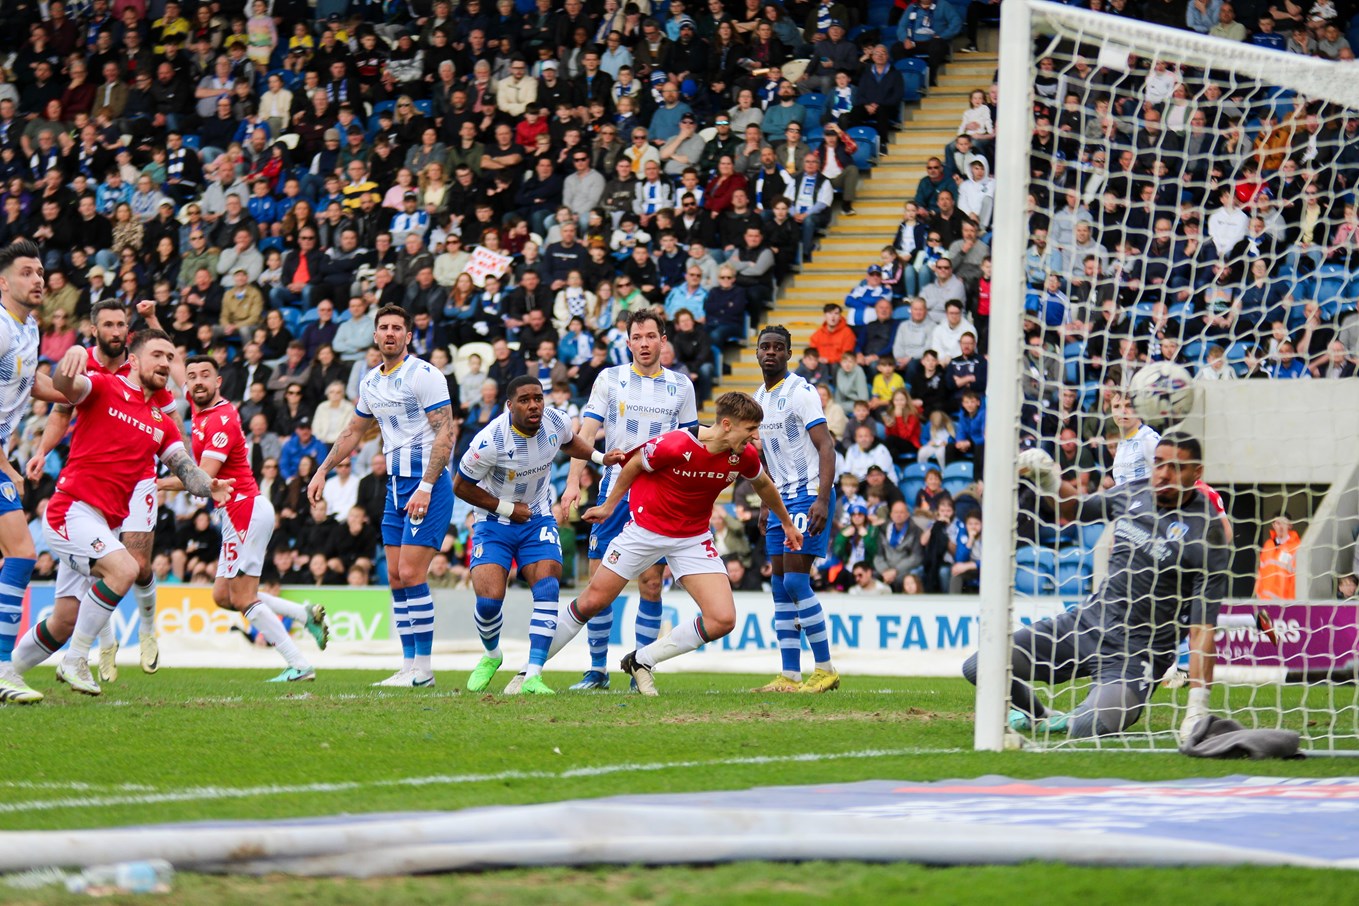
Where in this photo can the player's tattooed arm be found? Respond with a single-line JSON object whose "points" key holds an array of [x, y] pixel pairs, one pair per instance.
{"points": [[195, 480], [441, 423], [344, 445]]}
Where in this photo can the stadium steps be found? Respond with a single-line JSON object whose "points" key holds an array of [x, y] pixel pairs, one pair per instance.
{"points": [[853, 243]]}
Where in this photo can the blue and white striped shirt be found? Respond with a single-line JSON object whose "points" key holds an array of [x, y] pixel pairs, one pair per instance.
{"points": [[18, 369], [515, 466], [400, 403], [791, 409], [634, 408]]}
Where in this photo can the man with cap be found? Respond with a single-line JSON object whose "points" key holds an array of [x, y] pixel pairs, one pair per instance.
{"points": [[861, 301], [683, 149], [553, 91], [830, 55], [410, 219], [301, 443], [688, 54]]}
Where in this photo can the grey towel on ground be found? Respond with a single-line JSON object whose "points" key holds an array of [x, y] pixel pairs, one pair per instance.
{"points": [[1221, 737]]}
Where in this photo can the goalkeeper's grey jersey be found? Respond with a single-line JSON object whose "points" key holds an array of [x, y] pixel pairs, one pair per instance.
{"points": [[1167, 569]]}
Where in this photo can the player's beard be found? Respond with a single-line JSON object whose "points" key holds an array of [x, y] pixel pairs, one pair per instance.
{"points": [[108, 351], [155, 381], [201, 404]]}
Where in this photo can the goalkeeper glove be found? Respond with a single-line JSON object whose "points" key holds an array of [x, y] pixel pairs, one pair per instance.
{"points": [[1039, 468], [1195, 713]]}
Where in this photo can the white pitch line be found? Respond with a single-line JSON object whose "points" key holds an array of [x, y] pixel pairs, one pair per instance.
{"points": [[208, 793]]}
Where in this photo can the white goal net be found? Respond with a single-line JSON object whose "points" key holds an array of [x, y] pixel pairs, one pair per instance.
{"points": [[1166, 197]]}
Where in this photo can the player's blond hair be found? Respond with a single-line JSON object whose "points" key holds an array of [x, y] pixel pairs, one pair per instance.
{"points": [[739, 407]]}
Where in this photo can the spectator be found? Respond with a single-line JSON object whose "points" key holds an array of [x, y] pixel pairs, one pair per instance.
{"points": [[900, 553], [866, 583], [834, 338], [867, 451], [302, 444]]}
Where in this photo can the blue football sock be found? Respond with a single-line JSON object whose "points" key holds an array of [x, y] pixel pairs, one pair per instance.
{"points": [[403, 626], [14, 576], [543, 623], [599, 629], [648, 622], [810, 614], [420, 607], [489, 621], [785, 628]]}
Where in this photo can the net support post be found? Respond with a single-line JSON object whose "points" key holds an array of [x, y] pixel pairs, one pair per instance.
{"points": [[1003, 385]]}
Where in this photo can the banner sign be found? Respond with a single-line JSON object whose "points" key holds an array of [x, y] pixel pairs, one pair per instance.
{"points": [[1311, 636], [485, 263]]}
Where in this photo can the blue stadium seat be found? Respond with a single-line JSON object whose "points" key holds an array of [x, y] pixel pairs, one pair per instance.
{"points": [[292, 317], [1194, 351], [1090, 533], [812, 100], [915, 471], [865, 137], [193, 140], [425, 106], [915, 76], [383, 106], [308, 316], [879, 13], [1074, 568], [1034, 571], [957, 476]]}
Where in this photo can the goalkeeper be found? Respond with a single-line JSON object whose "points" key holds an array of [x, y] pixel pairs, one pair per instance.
{"points": [[1167, 575]]}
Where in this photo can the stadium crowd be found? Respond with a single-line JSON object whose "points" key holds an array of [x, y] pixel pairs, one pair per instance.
{"points": [[523, 176], [519, 177]]}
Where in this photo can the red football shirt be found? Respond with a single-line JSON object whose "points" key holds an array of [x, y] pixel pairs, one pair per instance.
{"points": [[162, 399], [117, 434], [675, 495], [217, 435]]}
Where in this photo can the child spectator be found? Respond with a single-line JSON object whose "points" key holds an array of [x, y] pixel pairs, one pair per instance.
{"points": [[935, 437], [885, 385]]}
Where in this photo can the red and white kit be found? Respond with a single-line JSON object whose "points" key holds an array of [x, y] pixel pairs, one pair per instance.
{"points": [[248, 518], [672, 503], [117, 436], [141, 507]]}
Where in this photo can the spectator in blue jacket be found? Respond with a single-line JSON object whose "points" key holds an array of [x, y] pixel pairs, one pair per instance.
{"points": [[301, 443], [925, 30], [877, 102], [969, 432], [931, 184]]}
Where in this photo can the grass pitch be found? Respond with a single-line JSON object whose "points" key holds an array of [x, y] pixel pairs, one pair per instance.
{"points": [[221, 744]]}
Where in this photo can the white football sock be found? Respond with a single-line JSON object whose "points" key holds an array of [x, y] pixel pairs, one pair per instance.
{"points": [[271, 627], [568, 627], [95, 610], [146, 604], [290, 609], [108, 636], [681, 640]]}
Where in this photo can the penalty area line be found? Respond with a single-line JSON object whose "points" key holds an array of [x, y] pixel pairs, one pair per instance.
{"points": [[211, 793]]}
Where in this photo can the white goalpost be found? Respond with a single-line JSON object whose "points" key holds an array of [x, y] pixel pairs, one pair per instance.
{"points": [[1213, 227]]}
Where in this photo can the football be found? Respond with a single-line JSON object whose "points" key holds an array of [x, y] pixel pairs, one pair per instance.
{"points": [[1161, 393]]}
